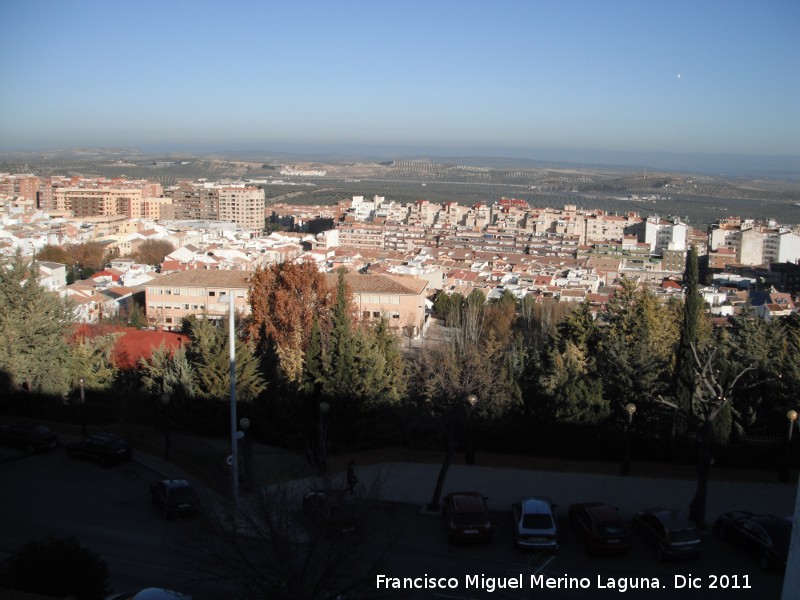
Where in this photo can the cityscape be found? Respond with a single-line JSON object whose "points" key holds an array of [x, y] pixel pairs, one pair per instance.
{"points": [[369, 301]]}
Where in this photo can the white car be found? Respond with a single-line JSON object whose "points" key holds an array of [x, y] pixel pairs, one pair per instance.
{"points": [[535, 525]]}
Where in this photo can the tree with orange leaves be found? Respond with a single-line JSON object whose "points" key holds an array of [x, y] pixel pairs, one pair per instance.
{"points": [[285, 298]]}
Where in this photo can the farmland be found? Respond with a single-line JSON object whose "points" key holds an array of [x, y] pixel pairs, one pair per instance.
{"points": [[699, 199]]}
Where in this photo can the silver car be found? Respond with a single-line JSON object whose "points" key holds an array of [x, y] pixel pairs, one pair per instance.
{"points": [[535, 525]]}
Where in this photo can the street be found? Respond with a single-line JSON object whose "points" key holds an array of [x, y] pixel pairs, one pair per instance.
{"points": [[109, 511]]}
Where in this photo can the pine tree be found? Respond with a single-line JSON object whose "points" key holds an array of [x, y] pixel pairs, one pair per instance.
{"points": [[33, 327]]}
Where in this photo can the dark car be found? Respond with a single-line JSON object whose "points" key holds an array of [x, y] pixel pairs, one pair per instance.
{"points": [[150, 594], [105, 448], [535, 525], [332, 511], [175, 497], [28, 436], [601, 527], [669, 531], [766, 536], [467, 517]]}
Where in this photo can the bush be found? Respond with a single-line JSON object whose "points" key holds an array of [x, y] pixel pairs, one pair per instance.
{"points": [[59, 568]]}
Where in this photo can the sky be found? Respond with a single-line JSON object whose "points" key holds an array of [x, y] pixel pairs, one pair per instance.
{"points": [[496, 75]]}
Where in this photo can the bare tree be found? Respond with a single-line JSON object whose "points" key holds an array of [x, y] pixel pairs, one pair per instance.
{"points": [[711, 396], [280, 551]]}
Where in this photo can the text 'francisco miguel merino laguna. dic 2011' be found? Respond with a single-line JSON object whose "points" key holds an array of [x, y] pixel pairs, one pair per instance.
{"points": [[601, 582]]}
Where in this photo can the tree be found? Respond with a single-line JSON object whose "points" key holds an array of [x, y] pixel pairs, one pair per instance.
{"points": [[209, 356], [153, 252], [91, 359], [55, 254], [712, 396], [33, 327], [444, 377], [689, 334], [167, 372], [285, 299], [57, 567], [284, 557], [573, 393], [341, 373]]}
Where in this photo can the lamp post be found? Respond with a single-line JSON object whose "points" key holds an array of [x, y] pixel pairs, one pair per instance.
{"points": [[630, 408], [324, 407], [472, 400], [247, 463], [792, 417], [82, 383], [165, 398], [234, 432]]}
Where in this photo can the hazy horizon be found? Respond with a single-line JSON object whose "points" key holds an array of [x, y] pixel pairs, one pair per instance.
{"points": [[532, 79]]}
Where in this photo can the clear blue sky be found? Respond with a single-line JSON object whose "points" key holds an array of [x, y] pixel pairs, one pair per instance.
{"points": [[639, 75]]}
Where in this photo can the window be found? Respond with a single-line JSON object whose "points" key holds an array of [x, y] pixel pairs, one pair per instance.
{"points": [[365, 314], [212, 293]]}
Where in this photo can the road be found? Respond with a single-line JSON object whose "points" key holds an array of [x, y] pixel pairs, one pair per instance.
{"points": [[109, 511]]}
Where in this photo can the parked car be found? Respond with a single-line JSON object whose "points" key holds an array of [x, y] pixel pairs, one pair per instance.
{"points": [[601, 527], [467, 517], [535, 525], [175, 497], [766, 536], [105, 448], [669, 531], [28, 436], [150, 594], [331, 511]]}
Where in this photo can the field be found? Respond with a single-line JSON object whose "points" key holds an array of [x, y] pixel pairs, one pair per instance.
{"points": [[698, 199]]}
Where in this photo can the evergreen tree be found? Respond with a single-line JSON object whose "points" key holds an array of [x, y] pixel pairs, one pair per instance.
{"points": [[692, 307], [33, 327], [340, 375], [209, 356], [91, 359], [314, 365], [573, 393]]}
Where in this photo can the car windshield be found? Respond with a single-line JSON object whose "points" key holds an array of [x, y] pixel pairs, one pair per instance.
{"points": [[182, 493], [537, 521], [469, 518], [685, 535], [610, 528]]}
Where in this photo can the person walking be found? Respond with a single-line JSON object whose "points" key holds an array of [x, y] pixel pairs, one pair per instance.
{"points": [[352, 480]]}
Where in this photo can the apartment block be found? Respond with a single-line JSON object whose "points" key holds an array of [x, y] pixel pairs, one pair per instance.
{"points": [[244, 206], [171, 298]]}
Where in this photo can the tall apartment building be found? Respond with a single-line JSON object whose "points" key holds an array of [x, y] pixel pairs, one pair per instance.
{"points": [[23, 185], [244, 206], [662, 235], [194, 202]]}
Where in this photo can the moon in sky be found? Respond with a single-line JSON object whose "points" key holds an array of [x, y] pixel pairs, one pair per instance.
{"points": [[679, 75]]}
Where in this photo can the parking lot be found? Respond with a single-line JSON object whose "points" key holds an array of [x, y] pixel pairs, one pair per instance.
{"points": [[109, 511]]}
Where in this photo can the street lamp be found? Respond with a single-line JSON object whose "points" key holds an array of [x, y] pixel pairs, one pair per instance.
{"points": [[630, 408], [792, 417], [232, 360], [247, 463], [82, 382], [472, 400], [324, 407], [165, 403]]}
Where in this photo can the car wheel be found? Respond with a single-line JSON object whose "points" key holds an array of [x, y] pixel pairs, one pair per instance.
{"points": [[722, 533]]}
